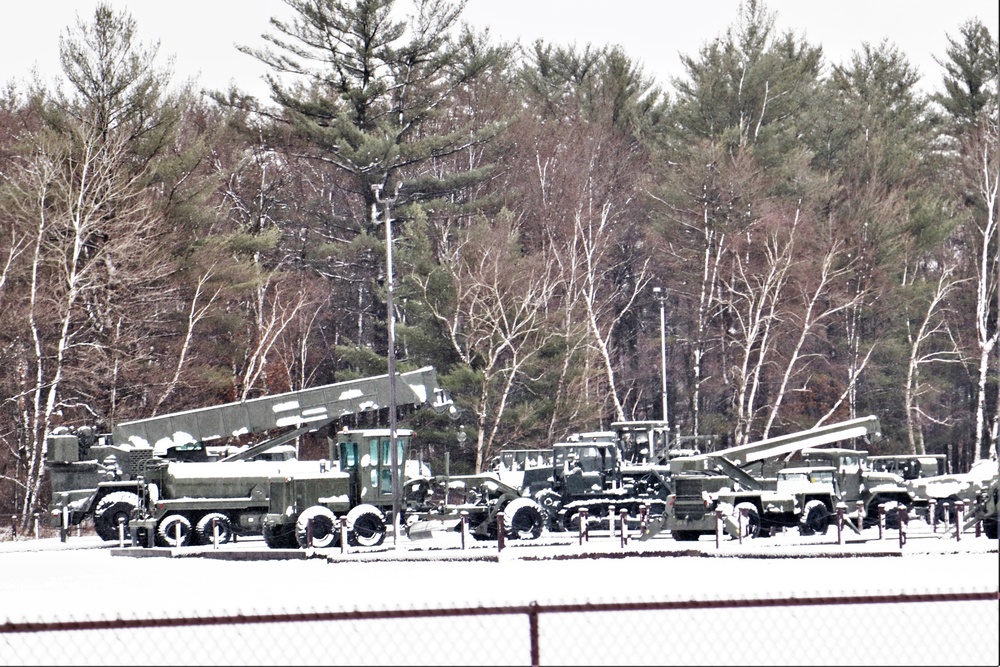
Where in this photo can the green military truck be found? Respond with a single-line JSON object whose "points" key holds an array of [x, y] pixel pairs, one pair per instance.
{"points": [[307, 509], [177, 476], [744, 480]]}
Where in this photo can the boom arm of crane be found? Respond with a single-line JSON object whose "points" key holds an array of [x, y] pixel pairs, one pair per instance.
{"points": [[771, 448], [307, 409]]}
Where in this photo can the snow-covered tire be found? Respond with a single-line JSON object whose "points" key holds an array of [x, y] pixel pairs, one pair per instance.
{"points": [[549, 502], [167, 528], [892, 509], [365, 527], [115, 505], [522, 519], [751, 522], [325, 528], [280, 536], [815, 518], [204, 532]]}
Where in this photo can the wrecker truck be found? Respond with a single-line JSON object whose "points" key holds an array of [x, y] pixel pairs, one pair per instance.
{"points": [[162, 475], [786, 481]]}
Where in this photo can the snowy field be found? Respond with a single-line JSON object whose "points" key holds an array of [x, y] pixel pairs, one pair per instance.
{"points": [[85, 580]]}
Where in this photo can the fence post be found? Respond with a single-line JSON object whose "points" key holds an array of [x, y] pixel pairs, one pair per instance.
{"points": [[309, 533], [465, 526], [903, 519], [121, 532], [643, 516], [718, 527], [739, 521], [13, 526], [583, 514], [215, 532], [343, 535], [500, 531], [841, 506], [36, 525], [860, 506], [959, 519], [533, 630], [932, 508], [64, 524], [611, 521], [624, 515], [881, 520]]}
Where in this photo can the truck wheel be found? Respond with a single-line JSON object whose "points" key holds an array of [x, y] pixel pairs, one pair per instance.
{"points": [[815, 518], [166, 531], [109, 509], [522, 519], [280, 536], [751, 523], [549, 502], [324, 528], [892, 514], [685, 535], [366, 528], [204, 532]]}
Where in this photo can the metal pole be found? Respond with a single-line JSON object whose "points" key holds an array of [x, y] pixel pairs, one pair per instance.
{"points": [[391, 322], [661, 297]]}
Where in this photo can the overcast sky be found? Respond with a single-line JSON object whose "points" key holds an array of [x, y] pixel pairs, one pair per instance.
{"points": [[201, 34]]}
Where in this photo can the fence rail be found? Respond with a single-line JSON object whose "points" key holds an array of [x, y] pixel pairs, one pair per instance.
{"points": [[627, 632]]}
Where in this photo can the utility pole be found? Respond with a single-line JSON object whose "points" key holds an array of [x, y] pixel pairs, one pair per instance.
{"points": [[660, 295], [391, 323]]}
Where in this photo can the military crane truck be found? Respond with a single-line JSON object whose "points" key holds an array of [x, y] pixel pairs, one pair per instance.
{"points": [[746, 477], [164, 469], [307, 508]]}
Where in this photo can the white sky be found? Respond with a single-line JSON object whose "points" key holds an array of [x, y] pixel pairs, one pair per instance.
{"points": [[201, 34]]}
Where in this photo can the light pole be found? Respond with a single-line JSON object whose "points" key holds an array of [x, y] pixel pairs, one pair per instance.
{"points": [[391, 322], [661, 296]]}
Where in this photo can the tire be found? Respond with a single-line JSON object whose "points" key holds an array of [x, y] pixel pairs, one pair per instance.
{"points": [[325, 528], [280, 536], [892, 514], [685, 535], [549, 502], [365, 527], [205, 534], [751, 523], [166, 531], [109, 509], [523, 519], [990, 527], [815, 518]]}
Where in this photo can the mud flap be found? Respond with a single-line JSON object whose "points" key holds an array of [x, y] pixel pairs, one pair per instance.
{"points": [[654, 526]]}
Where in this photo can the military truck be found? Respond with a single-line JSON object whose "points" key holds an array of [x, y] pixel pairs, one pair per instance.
{"points": [[306, 509], [975, 487], [910, 466], [165, 469], [744, 478]]}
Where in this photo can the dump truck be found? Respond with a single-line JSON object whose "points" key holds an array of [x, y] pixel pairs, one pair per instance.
{"points": [[165, 472], [306, 509], [738, 478]]}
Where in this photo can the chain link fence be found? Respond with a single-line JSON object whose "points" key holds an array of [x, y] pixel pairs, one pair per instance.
{"points": [[925, 628]]}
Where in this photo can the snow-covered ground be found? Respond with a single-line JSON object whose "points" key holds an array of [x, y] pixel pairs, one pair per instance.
{"points": [[48, 581]]}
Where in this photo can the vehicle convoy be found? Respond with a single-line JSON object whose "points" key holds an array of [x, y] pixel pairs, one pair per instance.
{"points": [[306, 509], [162, 475], [786, 481]]}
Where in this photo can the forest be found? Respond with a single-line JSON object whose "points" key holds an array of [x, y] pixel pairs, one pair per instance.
{"points": [[787, 241]]}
